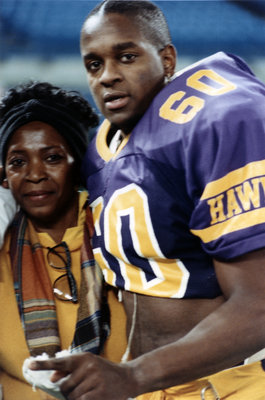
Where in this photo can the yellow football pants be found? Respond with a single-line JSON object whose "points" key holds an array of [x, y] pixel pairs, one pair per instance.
{"points": [[241, 383]]}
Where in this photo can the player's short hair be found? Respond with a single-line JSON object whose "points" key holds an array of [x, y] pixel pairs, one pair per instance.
{"points": [[150, 19]]}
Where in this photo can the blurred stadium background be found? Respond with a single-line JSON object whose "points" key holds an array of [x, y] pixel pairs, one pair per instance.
{"points": [[39, 39]]}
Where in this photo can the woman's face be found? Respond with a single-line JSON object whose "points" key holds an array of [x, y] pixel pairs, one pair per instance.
{"points": [[40, 171]]}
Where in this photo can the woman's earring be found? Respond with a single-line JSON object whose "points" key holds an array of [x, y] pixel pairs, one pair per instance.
{"points": [[5, 183]]}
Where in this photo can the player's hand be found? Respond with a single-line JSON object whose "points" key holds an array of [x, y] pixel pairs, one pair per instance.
{"points": [[90, 377]]}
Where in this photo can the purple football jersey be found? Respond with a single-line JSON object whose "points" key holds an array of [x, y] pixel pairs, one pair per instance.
{"points": [[186, 186]]}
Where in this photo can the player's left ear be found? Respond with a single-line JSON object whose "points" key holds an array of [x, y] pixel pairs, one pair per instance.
{"points": [[169, 58]]}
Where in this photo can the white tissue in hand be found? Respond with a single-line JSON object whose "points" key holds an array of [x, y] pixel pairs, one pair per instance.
{"points": [[41, 379]]}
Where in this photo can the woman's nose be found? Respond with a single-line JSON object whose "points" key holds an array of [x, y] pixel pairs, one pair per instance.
{"points": [[35, 172]]}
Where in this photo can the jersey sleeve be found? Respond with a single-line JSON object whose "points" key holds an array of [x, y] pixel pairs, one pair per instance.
{"points": [[226, 172]]}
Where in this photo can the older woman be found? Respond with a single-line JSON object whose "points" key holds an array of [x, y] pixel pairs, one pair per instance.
{"points": [[51, 295]]}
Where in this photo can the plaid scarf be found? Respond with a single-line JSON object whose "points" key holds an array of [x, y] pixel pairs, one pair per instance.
{"points": [[35, 297]]}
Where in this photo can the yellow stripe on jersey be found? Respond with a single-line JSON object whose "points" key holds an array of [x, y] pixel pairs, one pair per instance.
{"points": [[235, 201], [238, 222], [234, 178]]}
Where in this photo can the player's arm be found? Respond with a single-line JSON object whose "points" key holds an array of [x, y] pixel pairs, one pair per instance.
{"points": [[230, 334]]}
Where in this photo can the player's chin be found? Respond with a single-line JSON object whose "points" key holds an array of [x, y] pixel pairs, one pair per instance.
{"points": [[124, 120]]}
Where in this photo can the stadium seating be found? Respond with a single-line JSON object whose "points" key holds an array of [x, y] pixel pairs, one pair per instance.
{"points": [[50, 28]]}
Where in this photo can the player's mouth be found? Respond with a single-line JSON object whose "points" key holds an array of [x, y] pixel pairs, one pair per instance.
{"points": [[115, 101]]}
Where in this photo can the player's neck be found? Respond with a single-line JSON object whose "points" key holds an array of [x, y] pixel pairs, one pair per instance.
{"points": [[116, 140]]}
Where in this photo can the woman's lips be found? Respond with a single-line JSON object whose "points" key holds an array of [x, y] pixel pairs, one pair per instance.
{"points": [[38, 195]]}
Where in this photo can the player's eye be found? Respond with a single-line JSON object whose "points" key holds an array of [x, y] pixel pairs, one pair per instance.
{"points": [[92, 66], [128, 57]]}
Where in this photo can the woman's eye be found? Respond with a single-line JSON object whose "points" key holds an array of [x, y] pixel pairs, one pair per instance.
{"points": [[54, 157], [17, 162]]}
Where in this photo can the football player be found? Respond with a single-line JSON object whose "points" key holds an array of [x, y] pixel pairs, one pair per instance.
{"points": [[176, 176]]}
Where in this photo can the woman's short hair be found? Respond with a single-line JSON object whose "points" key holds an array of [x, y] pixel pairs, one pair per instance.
{"points": [[67, 111]]}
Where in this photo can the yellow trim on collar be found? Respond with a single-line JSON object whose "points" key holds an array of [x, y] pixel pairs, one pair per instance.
{"points": [[101, 142]]}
